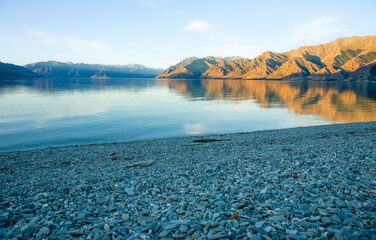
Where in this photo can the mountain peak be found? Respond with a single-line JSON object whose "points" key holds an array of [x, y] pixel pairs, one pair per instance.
{"points": [[192, 67]]}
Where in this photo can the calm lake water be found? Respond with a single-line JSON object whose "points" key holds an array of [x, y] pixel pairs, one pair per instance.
{"points": [[48, 112]]}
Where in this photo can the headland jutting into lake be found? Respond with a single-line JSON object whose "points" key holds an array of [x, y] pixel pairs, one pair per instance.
{"points": [[300, 183]]}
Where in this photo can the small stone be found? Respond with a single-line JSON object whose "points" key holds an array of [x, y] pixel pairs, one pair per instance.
{"points": [[203, 198], [183, 228], [220, 203], [129, 191], [266, 237], [106, 237], [304, 207], [81, 216], [27, 210], [326, 220], [173, 216], [315, 218], [62, 231], [106, 227], [235, 223], [336, 219], [338, 236], [168, 228], [292, 232], [293, 205], [75, 233], [323, 212], [102, 200], [181, 221], [259, 224], [232, 235], [217, 236], [280, 227], [163, 234], [125, 216], [44, 231], [214, 224], [29, 231], [195, 235], [269, 229], [173, 197], [180, 211], [276, 219], [344, 215]]}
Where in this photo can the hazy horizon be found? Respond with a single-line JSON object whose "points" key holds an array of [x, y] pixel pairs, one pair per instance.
{"points": [[161, 33]]}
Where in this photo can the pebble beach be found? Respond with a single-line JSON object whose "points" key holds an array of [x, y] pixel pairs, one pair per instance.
{"points": [[300, 183]]}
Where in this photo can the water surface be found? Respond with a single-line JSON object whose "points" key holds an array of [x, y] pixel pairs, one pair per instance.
{"points": [[48, 112]]}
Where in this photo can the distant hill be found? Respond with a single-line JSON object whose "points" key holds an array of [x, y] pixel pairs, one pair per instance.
{"points": [[8, 70], [81, 70], [352, 58]]}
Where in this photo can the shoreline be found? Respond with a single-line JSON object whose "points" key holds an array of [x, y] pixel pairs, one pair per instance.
{"points": [[177, 138], [296, 183]]}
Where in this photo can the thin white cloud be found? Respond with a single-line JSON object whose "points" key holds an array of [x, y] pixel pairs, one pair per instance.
{"points": [[82, 44], [214, 32], [199, 26], [316, 30], [13, 39], [43, 37], [40, 37], [148, 3]]}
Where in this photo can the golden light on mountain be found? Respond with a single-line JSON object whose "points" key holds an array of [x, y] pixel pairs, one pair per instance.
{"points": [[352, 58]]}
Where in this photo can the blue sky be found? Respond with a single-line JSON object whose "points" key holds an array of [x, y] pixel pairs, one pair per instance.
{"points": [[161, 33]]}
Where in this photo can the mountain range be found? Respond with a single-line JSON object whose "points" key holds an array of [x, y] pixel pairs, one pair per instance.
{"points": [[76, 70], [349, 59], [352, 58], [82, 70]]}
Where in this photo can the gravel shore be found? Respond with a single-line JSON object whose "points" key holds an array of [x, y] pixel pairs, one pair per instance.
{"points": [[301, 183]]}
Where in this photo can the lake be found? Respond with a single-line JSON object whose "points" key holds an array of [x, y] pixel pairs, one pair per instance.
{"points": [[48, 112]]}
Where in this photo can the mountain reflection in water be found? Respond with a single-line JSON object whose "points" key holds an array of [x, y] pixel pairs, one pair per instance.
{"points": [[334, 101]]}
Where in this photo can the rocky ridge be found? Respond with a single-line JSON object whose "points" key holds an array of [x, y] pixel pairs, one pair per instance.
{"points": [[352, 58]]}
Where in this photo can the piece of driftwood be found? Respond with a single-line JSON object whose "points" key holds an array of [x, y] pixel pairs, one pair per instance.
{"points": [[207, 140]]}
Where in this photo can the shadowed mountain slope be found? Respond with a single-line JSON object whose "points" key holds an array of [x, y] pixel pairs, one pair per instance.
{"points": [[8, 70], [81, 70]]}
